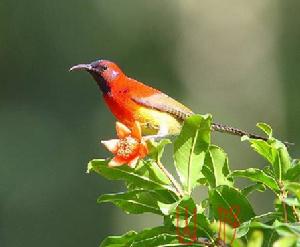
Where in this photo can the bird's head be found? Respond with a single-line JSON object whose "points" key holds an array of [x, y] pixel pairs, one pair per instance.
{"points": [[103, 71]]}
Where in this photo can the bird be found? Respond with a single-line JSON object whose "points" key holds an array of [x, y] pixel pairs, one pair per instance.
{"points": [[130, 100]]}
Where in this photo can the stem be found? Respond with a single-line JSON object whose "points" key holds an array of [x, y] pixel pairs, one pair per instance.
{"points": [[171, 178], [283, 195], [297, 216], [285, 212]]}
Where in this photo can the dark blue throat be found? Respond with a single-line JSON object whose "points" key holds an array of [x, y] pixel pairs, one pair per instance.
{"points": [[102, 83]]}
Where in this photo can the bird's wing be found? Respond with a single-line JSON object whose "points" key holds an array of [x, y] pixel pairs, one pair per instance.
{"points": [[164, 103]]}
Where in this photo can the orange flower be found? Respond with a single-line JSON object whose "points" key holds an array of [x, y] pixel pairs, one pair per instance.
{"points": [[129, 148]]}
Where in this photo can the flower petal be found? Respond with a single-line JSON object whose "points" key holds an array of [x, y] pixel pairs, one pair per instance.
{"points": [[133, 162], [122, 130], [116, 161], [136, 131], [111, 145], [143, 149]]}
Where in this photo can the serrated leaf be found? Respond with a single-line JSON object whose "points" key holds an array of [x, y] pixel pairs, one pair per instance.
{"points": [[136, 201], [257, 175], [127, 174], [227, 200], [190, 148], [265, 128], [216, 168]]}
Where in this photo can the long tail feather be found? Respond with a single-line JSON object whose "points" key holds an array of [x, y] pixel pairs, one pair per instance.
{"points": [[234, 131]]}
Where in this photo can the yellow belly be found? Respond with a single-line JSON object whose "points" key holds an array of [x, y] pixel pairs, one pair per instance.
{"points": [[152, 121]]}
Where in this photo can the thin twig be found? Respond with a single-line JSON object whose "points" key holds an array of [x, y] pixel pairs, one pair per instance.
{"points": [[171, 178]]}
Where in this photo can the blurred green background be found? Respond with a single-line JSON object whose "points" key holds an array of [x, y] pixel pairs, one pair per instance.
{"points": [[238, 60]]}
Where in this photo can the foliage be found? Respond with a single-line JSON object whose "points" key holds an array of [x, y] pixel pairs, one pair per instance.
{"points": [[225, 217]]}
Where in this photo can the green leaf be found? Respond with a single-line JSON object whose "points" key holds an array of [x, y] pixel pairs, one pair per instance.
{"points": [[137, 201], [291, 201], [168, 208], [256, 239], [179, 207], [185, 212], [216, 168], [293, 173], [283, 229], [269, 171], [119, 241], [185, 205], [286, 242], [264, 149], [152, 237], [148, 237], [282, 210], [190, 148], [285, 160], [293, 187], [287, 229], [156, 149], [202, 225], [243, 229], [265, 128], [257, 175], [125, 173], [270, 234], [149, 169], [249, 189], [220, 228], [276, 154], [158, 236], [226, 199]]}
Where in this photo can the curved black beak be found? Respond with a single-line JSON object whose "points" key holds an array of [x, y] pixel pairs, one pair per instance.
{"points": [[87, 67]]}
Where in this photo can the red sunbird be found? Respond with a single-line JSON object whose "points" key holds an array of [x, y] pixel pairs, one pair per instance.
{"points": [[130, 100]]}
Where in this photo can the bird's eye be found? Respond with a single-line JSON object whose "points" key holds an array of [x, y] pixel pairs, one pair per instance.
{"points": [[104, 67]]}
